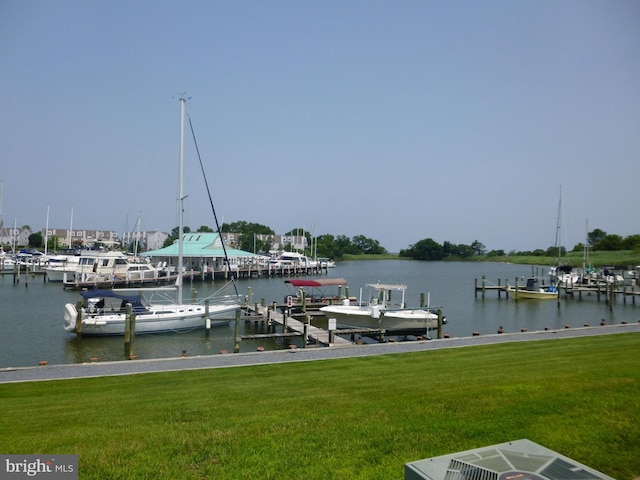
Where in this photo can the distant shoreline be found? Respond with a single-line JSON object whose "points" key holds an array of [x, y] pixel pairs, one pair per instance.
{"points": [[617, 259]]}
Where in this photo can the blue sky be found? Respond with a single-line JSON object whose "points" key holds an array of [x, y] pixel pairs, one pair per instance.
{"points": [[396, 120]]}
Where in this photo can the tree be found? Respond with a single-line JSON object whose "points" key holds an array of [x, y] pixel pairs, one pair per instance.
{"points": [[610, 242], [632, 242], [204, 229], [35, 240], [175, 233], [52, 242], [595, 236], [427, 249], [368, 246], [478, 248], [246, 235]]}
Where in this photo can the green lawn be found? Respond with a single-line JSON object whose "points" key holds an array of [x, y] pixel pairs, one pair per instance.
{"points": [[340, 419]]}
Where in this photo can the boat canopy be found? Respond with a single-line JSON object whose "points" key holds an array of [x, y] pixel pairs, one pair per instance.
{"points": [[135, 300], [321, 282]]}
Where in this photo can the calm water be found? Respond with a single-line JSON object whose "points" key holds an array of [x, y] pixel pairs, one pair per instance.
{"points": [[31, 317]]}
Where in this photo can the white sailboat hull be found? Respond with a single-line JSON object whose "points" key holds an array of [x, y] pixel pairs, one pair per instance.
{"points": [[159, 319]]}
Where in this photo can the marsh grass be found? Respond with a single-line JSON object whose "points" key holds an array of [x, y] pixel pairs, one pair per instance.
{"points": [[341, 419]]}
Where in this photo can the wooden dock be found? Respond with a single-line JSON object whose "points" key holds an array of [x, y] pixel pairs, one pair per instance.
{"points": [[608, 291], [291, 327], [110, 281]]}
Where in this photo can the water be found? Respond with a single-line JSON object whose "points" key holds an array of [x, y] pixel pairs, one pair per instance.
{"points": [[31, 317]]}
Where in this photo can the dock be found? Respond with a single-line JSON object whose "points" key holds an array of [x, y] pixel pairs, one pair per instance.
{"points": [[608, 291], [291, 327]]}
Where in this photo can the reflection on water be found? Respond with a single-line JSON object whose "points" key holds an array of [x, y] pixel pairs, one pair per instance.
{"points": [[31, 317]]}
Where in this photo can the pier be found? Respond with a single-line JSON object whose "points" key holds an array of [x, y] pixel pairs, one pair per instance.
{"points": [[291, 327], [607, 290]]}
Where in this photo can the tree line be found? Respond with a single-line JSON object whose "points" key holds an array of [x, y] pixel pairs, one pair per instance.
{"points": [[326, 245], [338, 246], [597, 240]]}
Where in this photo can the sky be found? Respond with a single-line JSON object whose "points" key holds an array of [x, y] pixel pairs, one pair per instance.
{"points": [[398, 120]]}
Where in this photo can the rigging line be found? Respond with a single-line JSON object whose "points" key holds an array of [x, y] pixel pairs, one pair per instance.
{"points": [[206, 183]]}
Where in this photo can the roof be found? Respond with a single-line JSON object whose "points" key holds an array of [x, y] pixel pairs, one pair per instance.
{"points": [[198, 244], [321, 282]]}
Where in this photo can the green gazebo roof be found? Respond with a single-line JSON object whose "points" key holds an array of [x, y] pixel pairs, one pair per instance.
{"points": [[199, 244]]}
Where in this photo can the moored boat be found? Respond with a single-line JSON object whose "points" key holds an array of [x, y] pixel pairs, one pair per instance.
{"points": [[316, 292], [533, 290], [380, 313], [96, 317], [104, 312]]}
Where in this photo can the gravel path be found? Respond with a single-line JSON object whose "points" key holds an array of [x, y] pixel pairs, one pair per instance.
{"points": [[100, 369]]}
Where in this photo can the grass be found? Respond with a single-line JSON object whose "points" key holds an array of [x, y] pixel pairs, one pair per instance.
{"points": [[360, 418], [618, 258]]}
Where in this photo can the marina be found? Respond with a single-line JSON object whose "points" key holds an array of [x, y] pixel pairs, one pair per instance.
{"points": [[31, 314], [607, 292]]}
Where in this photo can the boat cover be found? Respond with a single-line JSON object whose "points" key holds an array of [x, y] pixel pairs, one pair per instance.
{"points": [[135, 300]]}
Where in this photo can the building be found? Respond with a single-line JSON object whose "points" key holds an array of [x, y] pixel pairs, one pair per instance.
{"points": [[202, 251], [278, 242], [10, 238], [67, 238], [146, 240]]}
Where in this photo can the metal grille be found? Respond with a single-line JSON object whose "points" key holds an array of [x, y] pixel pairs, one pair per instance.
{"points": [[465, 471], [561, 470]]}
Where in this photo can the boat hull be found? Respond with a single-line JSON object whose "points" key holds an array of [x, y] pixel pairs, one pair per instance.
{"points": [[405, 320], [532, 295], [160, 319]]}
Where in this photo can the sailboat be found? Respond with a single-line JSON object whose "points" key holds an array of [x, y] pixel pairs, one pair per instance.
{"points": [[104, 312], [562, 274]]}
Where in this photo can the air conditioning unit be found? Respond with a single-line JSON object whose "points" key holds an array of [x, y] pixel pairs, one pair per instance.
{"points": [[517, 460]]}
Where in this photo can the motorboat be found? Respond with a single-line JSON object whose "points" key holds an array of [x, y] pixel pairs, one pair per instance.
{"points": [[316, 292], [7, 262], [59, 265], [108, 267], [564, 275], [380, 313], [532, 289]]}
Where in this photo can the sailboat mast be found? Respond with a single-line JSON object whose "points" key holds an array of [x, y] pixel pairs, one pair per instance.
{"points": [[183, 101], [558, 246]]}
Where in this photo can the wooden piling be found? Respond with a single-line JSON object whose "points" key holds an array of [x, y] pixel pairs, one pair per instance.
{"points": [[129, 332], [236, 346], [79, 318]]}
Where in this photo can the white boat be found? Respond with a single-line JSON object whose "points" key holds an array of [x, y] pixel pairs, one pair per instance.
{"points": [[564, 275], [99, 268], [533, 290], [104, 312], [380, 313], [59, 265], [97, 317], [7, 262]]}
